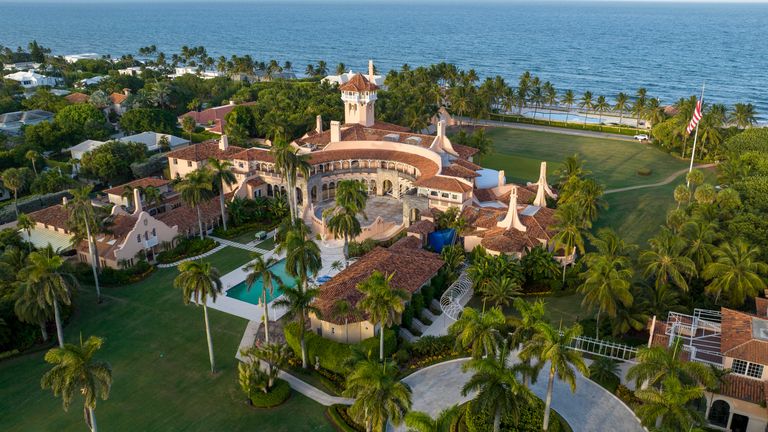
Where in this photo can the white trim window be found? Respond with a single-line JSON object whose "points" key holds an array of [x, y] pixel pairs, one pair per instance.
{"points": [[748, 369]]}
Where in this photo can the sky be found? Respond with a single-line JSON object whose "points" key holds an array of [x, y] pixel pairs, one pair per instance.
{"points": [[384, 1]]}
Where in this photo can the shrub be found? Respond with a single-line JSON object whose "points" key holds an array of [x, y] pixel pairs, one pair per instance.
{"points": [[407, 317], [333, 354], [233, 232], [417, 303], [109, 276], [341, 419], [626, 395], [645, 171], [428, 293], [432, 345], [153, 165], [279, 393], [185, 248], [530, 419]]}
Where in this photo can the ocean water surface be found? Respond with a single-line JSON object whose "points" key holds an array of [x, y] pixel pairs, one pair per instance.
{"points": [[603, 47]]}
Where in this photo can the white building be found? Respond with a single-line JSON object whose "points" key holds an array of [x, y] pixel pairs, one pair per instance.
{"points": [[84, 147], [12, 122], [31, 79], [20, 66], [85, 82], [205, 74], [149, 139], [345, 77], [72, 58]]}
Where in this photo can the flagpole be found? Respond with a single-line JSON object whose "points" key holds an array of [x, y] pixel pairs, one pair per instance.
{"points": [[695, 137]]}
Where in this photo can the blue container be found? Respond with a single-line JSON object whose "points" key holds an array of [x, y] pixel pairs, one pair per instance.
{"points": [[440, 239]]}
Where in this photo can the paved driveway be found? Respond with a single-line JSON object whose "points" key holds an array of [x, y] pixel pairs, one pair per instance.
{"points": [[590, 409]]}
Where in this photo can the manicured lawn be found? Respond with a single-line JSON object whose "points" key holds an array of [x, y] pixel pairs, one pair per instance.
{"points": [[567, 308], [614, 162], [267, 244], [157, 349]]}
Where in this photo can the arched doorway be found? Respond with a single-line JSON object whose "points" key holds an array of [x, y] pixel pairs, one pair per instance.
{"points": [[372, 187], [332, 190], [299, 197], [313, 194], [719, 413], [386, 187], [415, 215], [324, 192]]}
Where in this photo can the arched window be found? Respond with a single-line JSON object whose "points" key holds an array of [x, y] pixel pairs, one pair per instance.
{"points": [[269, 190], [719, 413], [313, 194]]}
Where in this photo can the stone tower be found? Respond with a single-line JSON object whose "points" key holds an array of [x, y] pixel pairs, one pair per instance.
{"points": [[359, 96]]}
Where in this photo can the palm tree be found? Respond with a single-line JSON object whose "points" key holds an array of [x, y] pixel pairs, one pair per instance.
{"points": [[744, 115], [302, 253], [606, 286], [656, 364], [382, 302], [736, 272], [605, 371], [554, 346], [188, 124], [601, 106], [536, 97], [500, 290], [569, 98], [550, 97], [341, 68], [342, 308], [29, 310], [152, 196], [221, 173], [76, 371], [16, 180], [351, 196], [586, 104], [531, 313], [198, 282], [569, 226], [668, 407], [499, 392], [298, 303], [33, 157], [289, 164], [49, 284], [380, 397], [665, 261], [478, 332], [700, 235], [261, 268], [418, 421], [26, 224], [621, 105], [275, 355], [195, 189]]}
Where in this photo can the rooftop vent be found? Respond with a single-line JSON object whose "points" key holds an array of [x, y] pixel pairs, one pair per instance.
{"points": [[413, 140], [393, 137]]}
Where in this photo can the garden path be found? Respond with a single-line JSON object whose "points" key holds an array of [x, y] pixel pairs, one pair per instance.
{"points": [[664, 182]]}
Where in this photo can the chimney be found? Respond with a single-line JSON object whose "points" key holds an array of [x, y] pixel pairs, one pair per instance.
{"points": [[137, 205], [126, 91], [512, 220], [502, 178], [441, 128], [335, 131], [370, 70], [64, 201], [319, 124], [542, 187], [223, 143]]}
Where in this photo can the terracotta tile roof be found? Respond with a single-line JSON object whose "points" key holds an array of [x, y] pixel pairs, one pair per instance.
{"points": [[484, 195], [106, 244], [465, 152], [525, 195], [77, 98], [456, 170], [377, 132], [426, 167], [410, 266], [55, 216], [422, 227], [139, 183], [118, 98], [185, 217], [214, 116], [204, 150], [762, 306], [450, 184], [467, 164], [485, 220], [736, 328], [256, 154], [358, 83], [747, 389], [255, 182]]}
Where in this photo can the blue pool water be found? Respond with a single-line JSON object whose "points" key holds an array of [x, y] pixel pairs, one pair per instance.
{"points": [[242, 293]]}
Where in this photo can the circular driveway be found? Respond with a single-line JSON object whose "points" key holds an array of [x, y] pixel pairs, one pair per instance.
{"points": [[590, 409]]}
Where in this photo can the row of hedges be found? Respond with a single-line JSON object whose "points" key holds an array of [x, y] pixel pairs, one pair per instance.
{"points": [[333, 354], [427, 351], [233, 232], [188, 247], [624, 130], [359, 249], [341, 419], [530, 419], [279, 393], [114, 277]]}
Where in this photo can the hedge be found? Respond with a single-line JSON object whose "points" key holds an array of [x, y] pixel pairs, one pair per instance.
{"points": [[233, 232], [279, 393], [332, 354], [624, 130], [186, 248], [341, 419], [109, 276], [530, 419]]}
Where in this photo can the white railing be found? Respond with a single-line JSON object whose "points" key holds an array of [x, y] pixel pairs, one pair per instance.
{"points": [[604, 348], [456, 296]]}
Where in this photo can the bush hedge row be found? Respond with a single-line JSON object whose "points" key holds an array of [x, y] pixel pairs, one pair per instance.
{"points": [[624, 130], [332, 354], [186, 248], [341, 419], [530, 419], [279, 393]]}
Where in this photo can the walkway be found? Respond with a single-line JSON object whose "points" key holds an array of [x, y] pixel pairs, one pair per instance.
{"points": [[666, 181], [210, 252], [537, 128], [239, 245], [591, 408]]}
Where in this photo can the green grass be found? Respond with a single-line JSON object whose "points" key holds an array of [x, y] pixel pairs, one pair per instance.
{"points": [[157, 349], [267, 244], [566, 308], [613, 162]]}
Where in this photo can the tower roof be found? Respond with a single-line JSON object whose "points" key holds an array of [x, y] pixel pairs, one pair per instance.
{"points": [[358, 83]]}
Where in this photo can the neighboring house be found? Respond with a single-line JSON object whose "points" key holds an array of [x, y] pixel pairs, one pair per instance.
{"points": [[20, 66], [149, 139], [132, 71], [205, 74], [84, 147], [72, 58], [118, 100], [12, 123], [726, 339], [212, 119], [77, 98], [185, 160], [345, 77], [50, 228], [411, 268], [90, 81], [32, 79], [116, 195]]}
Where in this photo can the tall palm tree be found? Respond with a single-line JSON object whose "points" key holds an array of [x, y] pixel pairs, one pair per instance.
{"points": [[499, 392], [665, 261], [601, 106], [196, 189], [656, 364], [221, 173], [188, 124], [75, 370], [606, 286], [26, 224], [569, 225], [298, 303], [418, 421], [550, 97], [744, 115], [536, 97], [554, 346], [700, 235], [586, 104], [478, 332], [261, 269], [351, 197], [668, 407], [380, 397], [50, 285], [198, 282], [621, 105], [289, 164], [569, 98], [531, 313], [302, 253], [382, 302], [500, 290], [15, 179], [736, 272], [80, 208], [33, 157], [29, 310]]}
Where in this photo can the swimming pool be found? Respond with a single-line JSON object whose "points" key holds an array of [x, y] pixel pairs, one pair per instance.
{"points": [[252, 296]]}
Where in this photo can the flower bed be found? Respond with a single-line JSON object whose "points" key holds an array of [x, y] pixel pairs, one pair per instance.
{"points": [[341, 419], [279, 393]]}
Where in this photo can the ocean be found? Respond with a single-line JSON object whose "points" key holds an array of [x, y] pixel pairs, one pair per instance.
{"points": [[604, 47]]}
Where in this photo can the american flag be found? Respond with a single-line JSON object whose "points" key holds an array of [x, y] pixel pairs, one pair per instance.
{"points": [[695, 119]]}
